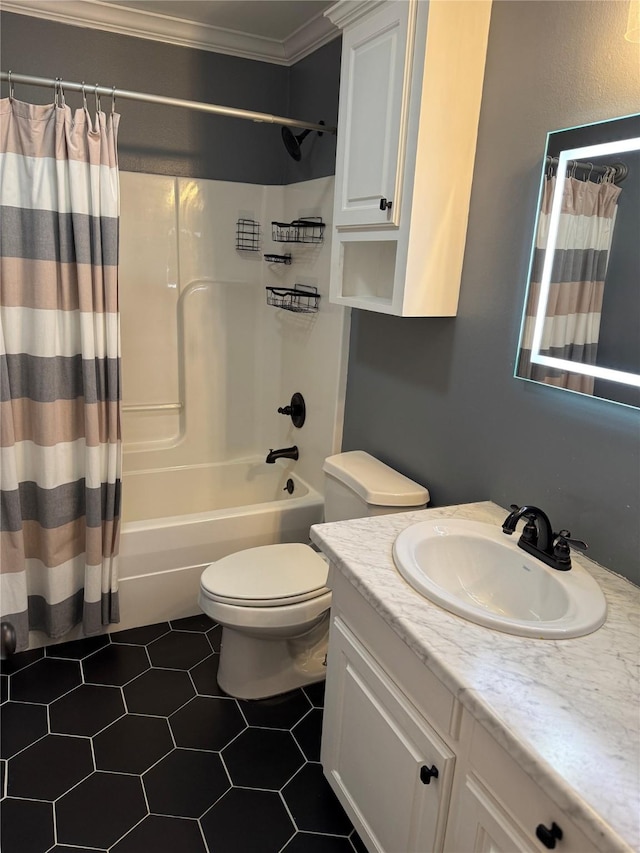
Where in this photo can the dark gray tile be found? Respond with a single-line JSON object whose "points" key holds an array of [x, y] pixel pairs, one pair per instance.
{"points": [[115, 665], [159, 834], [50, 767], [308, 733], [357, 842], [141, 636], [4, 688], [206, 723], [17, 662], [205, 677], [305, 842], [278, 712], [312, 803], [159, 692], [247, 821], [315, 693], [200, 623], [78, 649], [185, 783], [26, 827], [20, 725], [45, 680], [86, 710], [179, 650], [100, 810], [132, 744], [262, 758]]}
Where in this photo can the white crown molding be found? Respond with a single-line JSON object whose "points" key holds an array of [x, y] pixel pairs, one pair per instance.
{"points": [[347, 12], [98, 15]]}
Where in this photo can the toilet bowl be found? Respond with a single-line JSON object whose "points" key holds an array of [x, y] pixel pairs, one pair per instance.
{"points": [[273, 601], [273, 605]]}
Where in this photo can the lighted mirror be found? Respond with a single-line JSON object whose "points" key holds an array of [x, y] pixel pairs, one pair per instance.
{"points": [[581, 322]]}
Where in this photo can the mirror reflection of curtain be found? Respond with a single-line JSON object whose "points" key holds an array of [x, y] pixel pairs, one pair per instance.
{"points": [[574, 306]]}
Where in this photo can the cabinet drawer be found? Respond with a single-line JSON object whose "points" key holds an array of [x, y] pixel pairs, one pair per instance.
{"points": [[516, 801]]}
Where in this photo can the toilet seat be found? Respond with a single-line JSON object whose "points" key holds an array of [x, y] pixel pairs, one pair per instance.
{"points": [[267, 576]]}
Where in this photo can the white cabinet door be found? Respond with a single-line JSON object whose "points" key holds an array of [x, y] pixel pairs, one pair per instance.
{"points": [[500, 809], [390, 770], [482, 827], [370, 124]]}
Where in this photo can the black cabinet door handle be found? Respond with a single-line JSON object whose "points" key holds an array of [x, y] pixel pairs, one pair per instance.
{"points": [[549, 836], [428, 773], [385, 205]]}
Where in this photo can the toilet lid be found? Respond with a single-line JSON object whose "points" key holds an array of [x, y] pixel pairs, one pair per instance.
{"points": [[268, 575]]}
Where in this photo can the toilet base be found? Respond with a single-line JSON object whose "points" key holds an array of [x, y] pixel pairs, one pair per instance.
{"points": [[256, 667]]}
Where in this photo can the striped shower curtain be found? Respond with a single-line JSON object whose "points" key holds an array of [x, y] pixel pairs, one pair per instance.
{"points": [[574, 306], [59, 369]]}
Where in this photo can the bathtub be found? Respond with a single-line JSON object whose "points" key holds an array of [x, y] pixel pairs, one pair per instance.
{"points": [[176, 521]]}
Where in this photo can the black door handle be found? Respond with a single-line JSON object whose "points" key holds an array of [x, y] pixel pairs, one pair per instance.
{"points": [[385, 205]]}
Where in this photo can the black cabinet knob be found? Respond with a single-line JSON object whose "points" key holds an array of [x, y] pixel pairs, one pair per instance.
{"points": [[428, 773], [549, 836], [385, 205]]}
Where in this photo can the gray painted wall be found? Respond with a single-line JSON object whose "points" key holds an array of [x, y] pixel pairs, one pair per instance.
{"points": [[436, 397], [172, 141]]}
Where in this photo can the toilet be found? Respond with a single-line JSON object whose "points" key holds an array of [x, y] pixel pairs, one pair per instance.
{"points": [[273, 601]]}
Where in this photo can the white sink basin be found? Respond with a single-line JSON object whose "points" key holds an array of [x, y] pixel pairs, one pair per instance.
{"points": [[478, 572]]}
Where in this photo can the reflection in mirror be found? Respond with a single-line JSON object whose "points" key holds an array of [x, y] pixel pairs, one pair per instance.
{"points": [[581, 324]]}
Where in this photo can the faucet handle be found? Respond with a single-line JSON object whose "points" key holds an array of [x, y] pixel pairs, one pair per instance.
{"points": [[575, 543]]}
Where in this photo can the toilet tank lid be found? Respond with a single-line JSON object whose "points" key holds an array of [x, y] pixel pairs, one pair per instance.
{"points": [[373, 481]]}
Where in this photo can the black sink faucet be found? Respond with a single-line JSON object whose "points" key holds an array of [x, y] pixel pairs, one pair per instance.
{"points": [[539, 539], [283, 453]]}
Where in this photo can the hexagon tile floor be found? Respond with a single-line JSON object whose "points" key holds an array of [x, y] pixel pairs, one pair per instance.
{"points": [[125, 743]]}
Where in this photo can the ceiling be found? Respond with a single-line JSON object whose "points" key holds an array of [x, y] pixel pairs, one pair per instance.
{"points": [[279, 31]]}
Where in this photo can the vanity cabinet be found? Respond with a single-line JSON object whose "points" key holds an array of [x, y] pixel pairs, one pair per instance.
{"points": [[410, 92], [415, 772]]}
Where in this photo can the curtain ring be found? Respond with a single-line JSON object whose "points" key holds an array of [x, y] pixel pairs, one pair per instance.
{"points": [[113, 100], [10, 86], [588, 178], [55, 92], [97, 99], [63, 103]]}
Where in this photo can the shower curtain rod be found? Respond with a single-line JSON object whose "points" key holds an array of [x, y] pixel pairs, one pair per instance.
{"points": [[620, 170], [125, 94]]}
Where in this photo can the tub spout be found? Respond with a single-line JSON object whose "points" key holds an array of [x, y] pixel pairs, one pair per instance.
{"points": [[283, 453]]}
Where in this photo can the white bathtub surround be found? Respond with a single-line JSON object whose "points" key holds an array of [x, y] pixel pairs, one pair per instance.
{"points": [[565, 710], [197, 333]]}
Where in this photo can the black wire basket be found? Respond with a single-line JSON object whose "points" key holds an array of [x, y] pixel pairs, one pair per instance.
{"points": [[307, 230], [247, 235], [301, 298]]}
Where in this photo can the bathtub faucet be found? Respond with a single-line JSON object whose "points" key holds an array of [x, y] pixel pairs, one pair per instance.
{"points": [[283, 453]]}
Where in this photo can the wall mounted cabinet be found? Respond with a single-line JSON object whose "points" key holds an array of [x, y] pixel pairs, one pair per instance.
{"points": [[410, 92]]}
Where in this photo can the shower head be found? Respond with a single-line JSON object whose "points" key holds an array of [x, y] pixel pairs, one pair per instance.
{"points": [[293, 143]]}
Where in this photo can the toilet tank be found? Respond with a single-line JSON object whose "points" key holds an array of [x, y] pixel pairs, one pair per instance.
{"points": [[359, 485]]}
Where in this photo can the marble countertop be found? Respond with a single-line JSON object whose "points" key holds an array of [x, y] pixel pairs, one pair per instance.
{"points": [[567, 710]]}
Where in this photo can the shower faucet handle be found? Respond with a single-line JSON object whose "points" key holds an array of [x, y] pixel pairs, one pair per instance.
{"points": [[296, 410]]}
